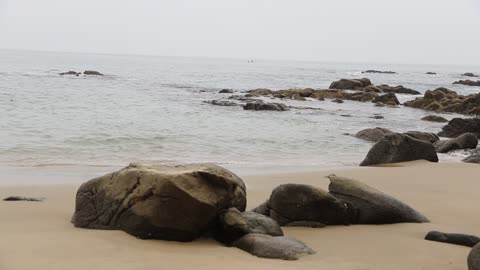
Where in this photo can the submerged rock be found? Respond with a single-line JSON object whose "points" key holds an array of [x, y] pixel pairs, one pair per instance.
{"points": [[226, 91], [396, 147], [431, 73], [434, 118], [464, 141], [266, 246], [225, 103], [177, 203], [453, 238], [21, 198], [459, 126], [261, 106], [371, 206]]}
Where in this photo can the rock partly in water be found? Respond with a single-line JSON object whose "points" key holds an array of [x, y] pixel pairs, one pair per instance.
{"points": [[261, 106], [338, 100], [379, 71], [469, 74], [92, 72], [279, 247], [434, 118], [177, 203], [226, 91], [225, 103], [459, 126], [468, 82], [453, 238], [388, 99], [22, 198], [445, 100], [396, 147], [399, 89], [423, 136], [431, 73], [370, 206], [294, 202], [74, 73], [350, 84], [372, 134], [473, 259], [464, 141]]}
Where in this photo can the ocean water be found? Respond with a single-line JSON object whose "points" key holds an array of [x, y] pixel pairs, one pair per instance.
{"points": [[151, 109]]}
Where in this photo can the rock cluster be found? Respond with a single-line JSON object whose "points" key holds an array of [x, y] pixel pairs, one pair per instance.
{"points": [[366, 85], [459, 126], [445, 100], [468, 82]]}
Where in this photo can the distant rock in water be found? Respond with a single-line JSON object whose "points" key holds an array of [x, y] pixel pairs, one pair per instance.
{"points": [[226, 91], [350, 84], [396, 147], [71, 73], [21, 198], [399, 89], [453, 238], [434, 118], [445, 100], [378, 71], [222, 103], [464, 141], [459, 126], [431, 73], [468, 82], [469, 74], [261, 106], [92, 72], [338, 100], [366, 85], [387, 99]]}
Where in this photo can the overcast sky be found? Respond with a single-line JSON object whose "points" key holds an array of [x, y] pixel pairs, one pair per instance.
{"points": [[395, 31]]}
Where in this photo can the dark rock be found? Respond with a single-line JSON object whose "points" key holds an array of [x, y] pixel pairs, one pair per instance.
{"points": [[468, 82], [266, 246], [350, 84], [396, 147], [434, 118], [423, 136], [377, 117], [453, 238], [294, 202], [473, 259], [306, 224], [469, 74], [226, 91], [259, 92], [473, 158], [233, 224], [21, 198], [338, 100], [464, 141], [397, 89], [92, 72], [445, 100], [177, 203], [431, 73], [388, 99], [70, 73], [378, 71], [261, 106], [222, 103], [370, 206], [262, 209], [459, 126], [372, 134]]}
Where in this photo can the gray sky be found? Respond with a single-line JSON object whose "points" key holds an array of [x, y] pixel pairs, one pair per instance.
{"points": [[397, 31]]}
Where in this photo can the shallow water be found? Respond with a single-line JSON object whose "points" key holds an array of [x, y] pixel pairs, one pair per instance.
{"points": [[151, 109]]}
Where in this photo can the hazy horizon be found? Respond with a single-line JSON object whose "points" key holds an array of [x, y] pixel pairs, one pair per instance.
{"points": [[369, 31]]}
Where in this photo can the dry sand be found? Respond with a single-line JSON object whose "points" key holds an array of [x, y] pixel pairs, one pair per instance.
{"points": [[40, 235]]}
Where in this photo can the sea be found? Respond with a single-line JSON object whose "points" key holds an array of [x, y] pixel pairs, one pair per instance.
{"points": [[152, 109]]}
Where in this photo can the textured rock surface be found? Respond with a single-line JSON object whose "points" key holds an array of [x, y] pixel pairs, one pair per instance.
{"points": [[159, 202], [453, 238], [445, 100], [434, 118], [473, 259], [388, 99], [266, 246], [396, 147], [459, 126], [350, 84], [261, 106], [371, 206], [464, 141], [373, 134], [423, 136]]}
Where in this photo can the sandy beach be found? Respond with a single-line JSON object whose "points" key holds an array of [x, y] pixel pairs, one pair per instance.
{"points": [[40, 236]]}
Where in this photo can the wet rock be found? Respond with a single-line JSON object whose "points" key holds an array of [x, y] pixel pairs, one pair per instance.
{"points": [[468, 82], [377, 117], [266, 246], [473, 158], [177, 203], [445, 100], [22, 198], [379, 71], [370, 206], [226, 91], [388, 99], [222, 103], [350, 84], [431, 73], [261, 106], [397, 89], [338, 100], [459, 126], [293, 202], [233, 224], [259, 92], [70, 73], [92, 72], [372, 134], [434, 118], [423, 136], [464, 141], [473, 259], [469, 74], [396, 147], [453, 238]]}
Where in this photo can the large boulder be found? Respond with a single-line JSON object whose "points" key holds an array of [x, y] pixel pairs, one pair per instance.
{"points": [[473, 259], [233, 224], [350, 84], [295, 202], [261, 106], [397, 147], [371, 206], [373, 134], [266, 246], [434, 118], [453, 238], [423, 136], [159, 202], [459, 126], [388, 99], [464, 141]]}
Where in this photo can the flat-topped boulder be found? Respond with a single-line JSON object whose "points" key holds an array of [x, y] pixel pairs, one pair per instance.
{"points": [[468, 82], [177, 203], [445, 100], [459, 126], [396, 147], [399, 89]]}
